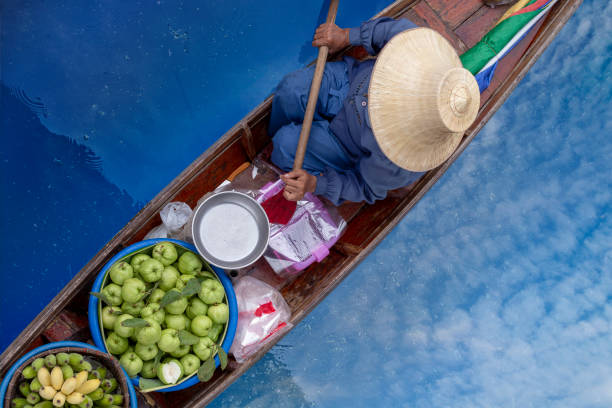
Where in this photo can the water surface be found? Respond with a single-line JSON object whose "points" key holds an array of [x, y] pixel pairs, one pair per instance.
{"points": [[103, 103]]}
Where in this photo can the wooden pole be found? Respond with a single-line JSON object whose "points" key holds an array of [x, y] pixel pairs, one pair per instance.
{"points": [[314, 93]]}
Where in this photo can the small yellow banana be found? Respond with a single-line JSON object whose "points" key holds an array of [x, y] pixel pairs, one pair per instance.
{"points": [[69, 386], [59, 400], [75, 398], [81, 378], [47, 392], [44, 377], [57, 378], [89, 386]]}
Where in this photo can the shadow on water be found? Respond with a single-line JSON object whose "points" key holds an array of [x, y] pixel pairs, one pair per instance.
{"points": [[35, 104], [48, 228]]}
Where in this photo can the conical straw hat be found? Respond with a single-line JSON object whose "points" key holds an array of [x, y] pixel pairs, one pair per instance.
{"points": [[421, 99]]}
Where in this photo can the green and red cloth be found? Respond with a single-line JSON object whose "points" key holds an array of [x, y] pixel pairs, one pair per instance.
{"points": [[481, 60]]}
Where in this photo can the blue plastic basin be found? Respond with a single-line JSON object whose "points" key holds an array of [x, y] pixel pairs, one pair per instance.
{"points": [[57, 344], [94, 319]]}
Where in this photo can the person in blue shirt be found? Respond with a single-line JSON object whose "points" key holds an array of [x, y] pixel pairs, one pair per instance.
{"points": [[343, 160]]}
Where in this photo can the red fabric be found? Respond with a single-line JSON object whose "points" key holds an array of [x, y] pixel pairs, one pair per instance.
{"points": [[278, 209], [266, 308], [532, 7]]}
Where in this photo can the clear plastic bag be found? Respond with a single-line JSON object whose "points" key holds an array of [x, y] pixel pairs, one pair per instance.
{"points": [[174, 217], [158, 232], [262, 315]]}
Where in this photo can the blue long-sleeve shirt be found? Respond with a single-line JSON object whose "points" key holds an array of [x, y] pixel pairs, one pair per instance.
{"points": [[373, 174]]}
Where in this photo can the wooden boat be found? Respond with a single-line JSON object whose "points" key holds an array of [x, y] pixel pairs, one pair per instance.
{"points": [[463, 23]]}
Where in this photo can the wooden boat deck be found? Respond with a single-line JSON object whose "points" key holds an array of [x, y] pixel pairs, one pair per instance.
{"points": [[463, 23]]}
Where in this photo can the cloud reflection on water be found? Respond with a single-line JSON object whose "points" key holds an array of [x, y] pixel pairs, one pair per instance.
{"points": [[494, 290]]}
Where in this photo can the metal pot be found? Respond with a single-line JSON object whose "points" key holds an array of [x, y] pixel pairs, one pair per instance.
{"points": [[230, 230]]}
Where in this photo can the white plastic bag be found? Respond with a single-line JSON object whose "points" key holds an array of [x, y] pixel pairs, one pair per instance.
{"points": [[158, 232], [262, 314], [175, 215]]}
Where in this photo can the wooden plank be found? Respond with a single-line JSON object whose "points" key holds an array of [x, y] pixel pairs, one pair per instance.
{"points": [[66, 326], [353, 212], [247, 140], [37, 342], [257, 121], [480, 23], [312, 282], [152, 399], [397, 8], [369, 221], [453, 13], [347, 249], [424, 16], [348, 210]]}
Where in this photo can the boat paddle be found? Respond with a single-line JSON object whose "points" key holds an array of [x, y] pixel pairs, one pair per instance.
{"points": [[278, 208]]}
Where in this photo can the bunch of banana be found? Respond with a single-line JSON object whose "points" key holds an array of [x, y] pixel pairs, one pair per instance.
{"points": [[54, 384], [59, 390]]}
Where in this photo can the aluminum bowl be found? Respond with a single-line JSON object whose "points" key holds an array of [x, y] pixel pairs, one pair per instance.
{"points": [[230, 230]]}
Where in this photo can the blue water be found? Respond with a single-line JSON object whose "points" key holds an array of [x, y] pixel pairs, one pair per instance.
{"points": [[492, 292], [103, 103]]}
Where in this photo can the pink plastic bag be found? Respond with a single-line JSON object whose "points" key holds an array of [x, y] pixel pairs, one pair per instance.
{"points": [[262, 314], [306, 238]]}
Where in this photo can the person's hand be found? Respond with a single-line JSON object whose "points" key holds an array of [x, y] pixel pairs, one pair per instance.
{"points": [[334, 37], [298, 183]]}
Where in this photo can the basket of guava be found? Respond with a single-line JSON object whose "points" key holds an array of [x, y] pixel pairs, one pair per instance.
{"points": [[67, 374], [168, 316]]}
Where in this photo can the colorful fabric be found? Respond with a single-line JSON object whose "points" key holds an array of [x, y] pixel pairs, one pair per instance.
{"points": [[515, 7], [482, 58]]}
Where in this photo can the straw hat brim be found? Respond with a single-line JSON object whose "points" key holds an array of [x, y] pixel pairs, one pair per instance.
{"points": [[421, 99]]}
